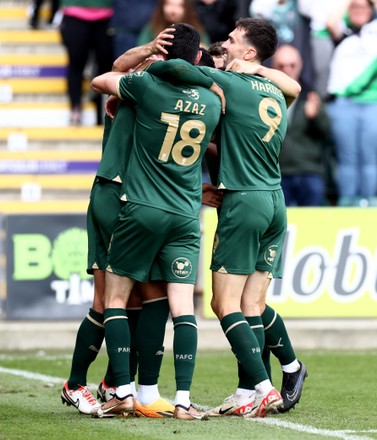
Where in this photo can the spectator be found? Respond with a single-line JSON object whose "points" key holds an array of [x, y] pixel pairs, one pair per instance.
{"points": [[353, 104], [168, 12], [291, 26], [35, 9], [218, 17], [130, 16], [301, 158], [84, 32], [321, 43]]}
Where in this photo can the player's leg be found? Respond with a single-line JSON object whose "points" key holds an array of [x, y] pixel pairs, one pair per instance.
{"points": [[267, 398], [276, 336], [231, 272], [266, 240], [107, 388], [279, 343], [266, 358], [181, 301], [108, 195], [258, 282], [91, 332], [239, 402], [232, 264], [254, 290], [226, 300], [150, 336], [244, 344], [89, 336], [117, 334], [131, 254], [178, 262], [147, 321], [89, 340], [133, 309], [250, 308]]}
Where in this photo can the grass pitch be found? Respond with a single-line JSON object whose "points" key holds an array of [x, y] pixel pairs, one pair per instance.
{"points": [[337, 402]]}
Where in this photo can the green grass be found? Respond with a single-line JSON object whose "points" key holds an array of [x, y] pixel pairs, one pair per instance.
{"points": [[337, 401]]}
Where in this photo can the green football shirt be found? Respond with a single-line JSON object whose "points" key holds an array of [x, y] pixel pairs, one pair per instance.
{"points": [[117, 148], [252, 129], [173, 126]]}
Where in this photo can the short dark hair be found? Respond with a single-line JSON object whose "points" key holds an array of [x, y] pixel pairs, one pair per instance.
{"points": [[216, 49], [206, 59], [259, 34], [186, 43]]}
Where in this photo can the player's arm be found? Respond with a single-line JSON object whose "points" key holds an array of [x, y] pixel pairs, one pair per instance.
{"points": [[211, 150], [129, 88], [211, 196], [290, 88], [182, 72], [107, 83], [212, 160], [112, 102], [136, 55]]}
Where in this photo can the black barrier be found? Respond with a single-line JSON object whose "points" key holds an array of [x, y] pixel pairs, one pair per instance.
{"points": [[46, 259]]}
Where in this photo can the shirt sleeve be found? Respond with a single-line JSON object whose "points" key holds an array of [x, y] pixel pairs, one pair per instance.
{"points": [[180, 71], [132, 87]]}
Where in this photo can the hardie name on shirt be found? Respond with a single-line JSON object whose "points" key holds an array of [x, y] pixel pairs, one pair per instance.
{"points": [[266, 87]]}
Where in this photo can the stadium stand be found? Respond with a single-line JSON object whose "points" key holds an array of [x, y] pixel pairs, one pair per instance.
{"points": [[70, 172], [42, 157]]}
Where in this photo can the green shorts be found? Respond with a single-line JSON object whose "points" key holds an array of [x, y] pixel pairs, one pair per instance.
{"points": [[102, 216], [250, 233], [150, 243]]}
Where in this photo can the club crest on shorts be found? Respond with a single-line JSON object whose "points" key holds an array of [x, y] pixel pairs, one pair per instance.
{"points": [[181, 267], [270, 254]]}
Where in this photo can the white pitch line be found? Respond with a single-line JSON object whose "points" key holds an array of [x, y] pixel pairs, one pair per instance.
{"points": [[31, 375], [37, 376], [41, 355], [345, 435]]}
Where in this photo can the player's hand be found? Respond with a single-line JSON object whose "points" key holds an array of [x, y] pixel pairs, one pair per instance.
{"points": [[219, 92], [242, 66], [150, 60], [111, 106], [211, 196], [162, 39]]}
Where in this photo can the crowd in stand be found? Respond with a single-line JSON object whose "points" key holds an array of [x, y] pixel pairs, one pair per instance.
{"points": [[330, 152]]}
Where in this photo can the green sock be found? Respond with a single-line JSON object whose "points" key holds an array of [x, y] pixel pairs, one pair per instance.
{"points": [[256, 325], [266, 358], [133, 316], [109, 376], [133, 319], [88, 343], [150, 336], [244, 345], [185, 345], [117, 334], [277, 338]]}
